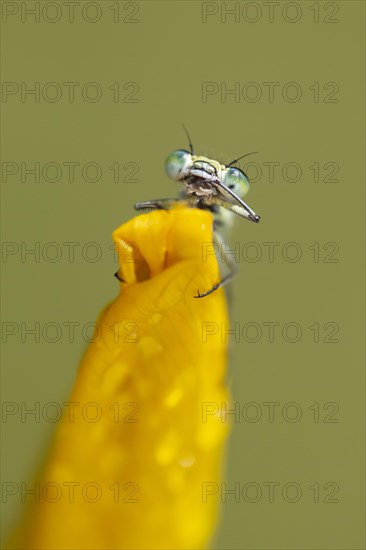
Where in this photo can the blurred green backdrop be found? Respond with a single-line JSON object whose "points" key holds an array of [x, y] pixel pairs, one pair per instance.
{"points": [[113, 82]]}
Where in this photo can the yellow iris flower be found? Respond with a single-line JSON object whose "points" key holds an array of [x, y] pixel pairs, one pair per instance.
{"points": [[133, 452]]}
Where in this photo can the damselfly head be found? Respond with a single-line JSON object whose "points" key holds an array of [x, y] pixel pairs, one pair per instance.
{"points": [[209, 181], [198, 170]]}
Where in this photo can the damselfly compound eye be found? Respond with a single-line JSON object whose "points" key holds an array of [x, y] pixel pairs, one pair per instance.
{"points": [[176, 164], [236, 180]]}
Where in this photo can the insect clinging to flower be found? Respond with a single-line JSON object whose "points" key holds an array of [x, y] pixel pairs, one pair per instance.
{"points": [[209, 185]]}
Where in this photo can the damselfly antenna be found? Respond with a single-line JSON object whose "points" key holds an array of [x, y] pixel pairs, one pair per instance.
{"points": [[236, 160], [189, 140]]}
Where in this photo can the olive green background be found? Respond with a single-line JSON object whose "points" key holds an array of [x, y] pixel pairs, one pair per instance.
{"points": [[169, 52]]}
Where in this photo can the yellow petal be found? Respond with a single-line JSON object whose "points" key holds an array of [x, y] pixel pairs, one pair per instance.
{"points": [[132, 454]]}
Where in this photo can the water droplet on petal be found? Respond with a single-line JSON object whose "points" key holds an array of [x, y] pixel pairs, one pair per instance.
{"points": [[187, 461], [155, 318]]}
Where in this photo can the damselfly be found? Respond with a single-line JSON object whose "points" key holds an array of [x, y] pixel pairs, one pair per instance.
{"points": [[209, 185]]}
